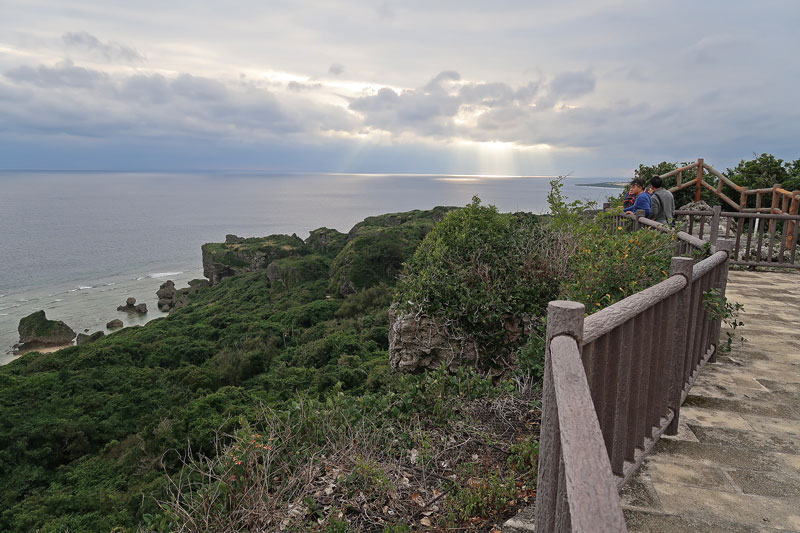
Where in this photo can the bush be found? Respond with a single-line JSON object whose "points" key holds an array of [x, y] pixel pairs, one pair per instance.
{"points": [[475, 270]]}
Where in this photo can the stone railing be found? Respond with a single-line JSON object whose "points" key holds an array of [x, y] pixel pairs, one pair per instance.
{"points": [[614, 383]]}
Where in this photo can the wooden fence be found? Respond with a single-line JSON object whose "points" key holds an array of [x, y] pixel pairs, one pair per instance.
{"points": [[614, 383], [759, 239], [780, 199]]}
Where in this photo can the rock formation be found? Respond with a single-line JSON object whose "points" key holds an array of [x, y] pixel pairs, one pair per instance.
{"points": [[36, 328], [114, 324], [419, 342], [86, 339], [131, 307], [237, 255], [170, 298]]}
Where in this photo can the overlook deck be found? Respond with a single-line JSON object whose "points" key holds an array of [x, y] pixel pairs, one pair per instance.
{"points": [[735, 463]]}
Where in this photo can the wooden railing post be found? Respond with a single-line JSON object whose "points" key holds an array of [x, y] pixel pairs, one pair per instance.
{"points": [[563, 318], [715, 225], [679, 266], [699, 180], [724, 245]]}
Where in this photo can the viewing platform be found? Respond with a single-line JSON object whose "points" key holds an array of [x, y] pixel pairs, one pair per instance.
{"points": [[735, 462]]}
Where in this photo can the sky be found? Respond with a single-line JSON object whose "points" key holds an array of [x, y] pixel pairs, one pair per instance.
{"points": [[589, 87]]}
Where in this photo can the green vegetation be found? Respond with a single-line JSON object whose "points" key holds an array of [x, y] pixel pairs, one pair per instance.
{"points": [[478, 272], [267, 401]]}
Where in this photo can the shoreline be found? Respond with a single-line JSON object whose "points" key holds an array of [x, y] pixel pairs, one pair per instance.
{"points": [[88, 305]]}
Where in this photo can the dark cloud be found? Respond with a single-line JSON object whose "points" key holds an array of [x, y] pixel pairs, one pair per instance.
{"points": [[63, 74], [110, 51], [298, 87], [336, 69], [572, 84]]}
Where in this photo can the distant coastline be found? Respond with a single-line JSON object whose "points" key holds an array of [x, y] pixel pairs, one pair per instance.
{"points": [[605, 184]]}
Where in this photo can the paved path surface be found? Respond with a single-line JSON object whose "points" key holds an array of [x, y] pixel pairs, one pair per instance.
{"points": [[735, 463]]}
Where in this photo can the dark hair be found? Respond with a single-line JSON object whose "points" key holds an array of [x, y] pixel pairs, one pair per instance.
{"points": [[656, 182], [638, 182]]}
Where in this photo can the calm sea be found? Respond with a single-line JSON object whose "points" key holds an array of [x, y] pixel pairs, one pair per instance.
{"points": [[78, 244]]}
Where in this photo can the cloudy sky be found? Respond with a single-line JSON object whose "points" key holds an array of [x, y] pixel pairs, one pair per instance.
{"points": [[506, 87]]}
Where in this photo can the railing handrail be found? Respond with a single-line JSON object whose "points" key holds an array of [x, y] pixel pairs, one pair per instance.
{"points": [[590, 485], [581, 459]]}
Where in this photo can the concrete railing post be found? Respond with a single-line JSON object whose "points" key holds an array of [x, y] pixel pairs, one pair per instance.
{"points": [[715, 225], [563, 318], [724, 245], [639, 214], [679, 266]]}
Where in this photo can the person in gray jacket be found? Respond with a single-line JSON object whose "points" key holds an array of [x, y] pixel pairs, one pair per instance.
{"points": [[662, 204]]}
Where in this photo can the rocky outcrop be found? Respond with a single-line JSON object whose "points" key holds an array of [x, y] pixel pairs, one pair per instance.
{"points": [[292, 270], [325, 241], [378, 246], [696, 206], [170, 298], [36, 328], [132, 307], [86, 339], [237, 255], [166, 295], [419, 342], [114, 324]]}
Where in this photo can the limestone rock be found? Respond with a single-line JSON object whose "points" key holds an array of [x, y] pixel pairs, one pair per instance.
{"points": [[131, 307], [419, 343], [36, 328], [696, 206], [114, 324], [170, 298], [86, 339], [166, 291], [221, 260]]}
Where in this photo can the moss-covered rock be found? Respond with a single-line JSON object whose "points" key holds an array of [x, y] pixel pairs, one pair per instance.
{"points": [[378, 246], [36, 328], [221, 260], [326, 241], [290, 271]]}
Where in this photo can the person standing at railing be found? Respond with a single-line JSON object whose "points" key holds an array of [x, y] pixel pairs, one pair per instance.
{"points": [[662, 203], [642, 198]]}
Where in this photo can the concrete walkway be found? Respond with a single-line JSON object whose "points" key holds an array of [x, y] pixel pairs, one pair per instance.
{"points": [[735, 464]]}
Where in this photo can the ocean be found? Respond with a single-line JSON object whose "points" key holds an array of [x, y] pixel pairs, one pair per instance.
{"points": [[77, 244]]}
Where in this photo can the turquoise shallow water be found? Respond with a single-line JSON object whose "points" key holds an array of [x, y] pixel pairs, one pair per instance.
{"points": [[78, 244]]}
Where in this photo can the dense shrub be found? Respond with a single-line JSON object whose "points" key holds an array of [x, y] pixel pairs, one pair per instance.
{"points": [[476, 269]]}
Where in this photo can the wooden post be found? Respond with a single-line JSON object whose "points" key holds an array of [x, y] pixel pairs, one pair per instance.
{"points": [[743, 199], [680, 266], [794, 207], [773, 208], [699, 180], [563, 318], [679, 178], [715, 225]]}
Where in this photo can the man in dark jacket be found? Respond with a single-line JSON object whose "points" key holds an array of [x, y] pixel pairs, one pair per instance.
{"points": [[662, 203]]}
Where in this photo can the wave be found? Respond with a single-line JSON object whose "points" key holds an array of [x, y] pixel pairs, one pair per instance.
{"points": [[58, 300], [81, 288], [164, 274]]}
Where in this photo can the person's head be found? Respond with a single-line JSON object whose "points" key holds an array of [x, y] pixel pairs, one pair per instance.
{"points": [[637, 186], [656, 182]]}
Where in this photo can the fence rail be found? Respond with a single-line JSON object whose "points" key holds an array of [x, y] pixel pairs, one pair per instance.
{"points": [[759, 239], [639, 358]]}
